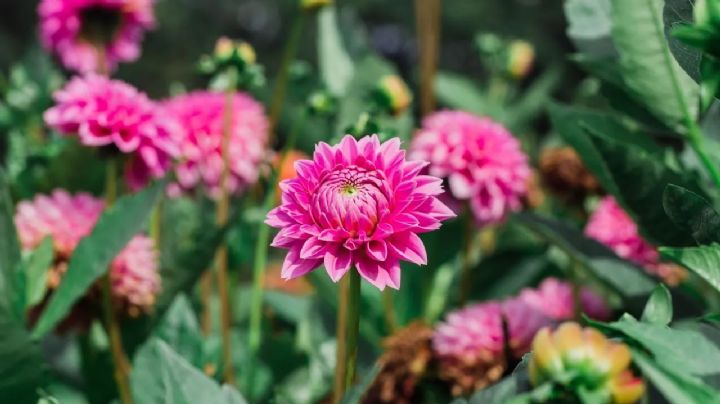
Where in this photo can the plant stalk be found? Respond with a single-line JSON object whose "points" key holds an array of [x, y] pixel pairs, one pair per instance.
{"points": [[427, 19], [347, 333], [389, 308]]}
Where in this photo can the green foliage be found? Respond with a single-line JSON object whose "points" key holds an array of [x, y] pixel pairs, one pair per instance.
{"points": [[658, 309], [33, 272], [336, 66], [693, 213], [703, 260]]}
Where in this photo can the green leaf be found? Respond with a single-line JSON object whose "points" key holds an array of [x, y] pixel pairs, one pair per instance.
{"points": [[623, 277], [692, 213], [440, 293], [589, 25], [677, 13], [336, 66], [703, 260], [639, 184], [9, 248], [647, 63], [658, 309], [160, 375], [684, 349], [673, 383], [95, 252], [180, 330], [22, 368], [459, 92], [35, 270]]}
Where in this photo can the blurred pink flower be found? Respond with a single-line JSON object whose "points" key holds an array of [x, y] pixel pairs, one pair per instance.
{"points": [[523, 322], [358, 203], [482, 161], [471, 333], [554, 298], [104, 112], [200, 114], [67, 219], [72, 29]]}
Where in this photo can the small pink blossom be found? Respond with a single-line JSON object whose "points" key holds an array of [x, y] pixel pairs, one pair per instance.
{"points": [[357, 204], [200, 115], [67, 219], [523, 321], [554, 298], [474, 332], [111, 113], [481, 160], [63, 23]]}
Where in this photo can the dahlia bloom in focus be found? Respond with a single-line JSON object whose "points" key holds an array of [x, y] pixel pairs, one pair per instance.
{"points": [[200, 114], [357, 204], [74, 30], [482, 161], [67, 219], [554, 298], [610, 225], [585, 360], [111, 113]]}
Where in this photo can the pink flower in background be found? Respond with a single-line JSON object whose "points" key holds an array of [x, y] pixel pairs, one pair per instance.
{"points": [[200, 115], [67, 219], [357, 204], [72, 29], [554, 298], [481, 160], [472, 333], [523, 322], [104, 112]]}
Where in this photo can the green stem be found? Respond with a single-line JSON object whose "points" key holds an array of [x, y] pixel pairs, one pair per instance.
{"points": [[261, 253], [348, 325], [389, 307], [281, 80]]}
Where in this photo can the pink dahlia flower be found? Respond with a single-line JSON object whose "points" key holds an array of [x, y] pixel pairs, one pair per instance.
{"points": [[554, 298], [361, 204], [481, 160], [200, 115], [67, 219], [75, 30], [523, 321], [474, 332], [104, 112]]}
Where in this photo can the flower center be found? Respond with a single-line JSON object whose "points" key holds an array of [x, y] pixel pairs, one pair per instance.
{"points": [[351, 198]]}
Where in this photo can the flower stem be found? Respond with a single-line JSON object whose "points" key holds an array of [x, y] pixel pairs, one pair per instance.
{"points": [[348, 325], [281, 80], [389, 307], [261, 253], [427, 18], [222, 215], [120, 361], [466, 260]]}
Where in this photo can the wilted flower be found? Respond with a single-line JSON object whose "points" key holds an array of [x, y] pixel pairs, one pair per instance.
{"points": [[393, 95], [470, 347], [357, 204], [76, 30], [610, 225], [521, 56], [200, 115], [554, 298], [481, 160], [405, 361], [566, 175], [111, 113], [67, 219], [577, 358]]}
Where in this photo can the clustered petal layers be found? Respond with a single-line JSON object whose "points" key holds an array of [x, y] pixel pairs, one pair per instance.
{"points": [[481, 160], [63, 22], [358, 204]]}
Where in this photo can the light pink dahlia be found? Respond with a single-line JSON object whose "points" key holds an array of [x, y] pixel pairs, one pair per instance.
{"points": [[200, 115], [470, 333], [75, 30], [67, 219], [481, 160], [610, 225], [554, 298], [523, 321], [361, 204], [111, 113]]}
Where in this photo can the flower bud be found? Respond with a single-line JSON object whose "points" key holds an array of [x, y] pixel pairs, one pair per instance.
{"points": [[520, 59], [392, 95]]}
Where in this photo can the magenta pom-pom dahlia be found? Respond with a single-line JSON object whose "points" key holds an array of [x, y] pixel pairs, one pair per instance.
{"points": [[471, 333], [76, 30], [200, 115], [481, 160], [554, 298], [111, 113], [67, 219], [358, 204]]}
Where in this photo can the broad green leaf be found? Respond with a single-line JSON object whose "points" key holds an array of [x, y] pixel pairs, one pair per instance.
{"points": [[674, 383], [639, 180], [692, 213], [648, 66], [673, 348], [22, 368], [703, 260], [161, 376], [95, 252], [439, 295], [677, 13], [459, 92], [658, 309], [336, 66], [180, 330], [589, 25], [623, 277], [9, 248], [290, 307], [35, 270]]}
